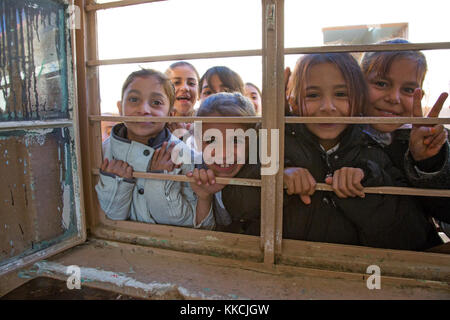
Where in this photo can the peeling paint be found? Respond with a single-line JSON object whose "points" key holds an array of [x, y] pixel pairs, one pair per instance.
{"points": [[121, 280], [66, 218]]}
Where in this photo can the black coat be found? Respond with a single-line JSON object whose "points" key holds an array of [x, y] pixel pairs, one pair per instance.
{"points": [[377, 220], [398, 152]]}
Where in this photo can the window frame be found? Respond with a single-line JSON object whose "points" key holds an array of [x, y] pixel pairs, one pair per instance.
{"points": [[270, 248], [72, 122]]}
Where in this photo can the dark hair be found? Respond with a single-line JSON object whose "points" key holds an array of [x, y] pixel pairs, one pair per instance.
{"points": [[162, 78], [380, 62], [254, 86], [229, 78], [351, 72], [228, 105], [181, 64]]}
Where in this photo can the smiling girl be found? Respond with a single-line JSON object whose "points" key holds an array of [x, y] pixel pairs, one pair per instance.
{"points": [[332, 85], [395, 82], [146, 147]]}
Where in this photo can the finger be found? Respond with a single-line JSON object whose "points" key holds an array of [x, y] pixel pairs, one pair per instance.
{"points": [[335, 185], [287, 75], [196, 175], [211, 176], [104, 165], [129, 172], [343, 177], [438, 141], [312, 183], [350, 187], [417, 105], [305, 199], [289, 182], [434, 112], [356, 181], [204, 177], [305, 186], [168, 152], [329, 180], [434, 132], [189, 174]]}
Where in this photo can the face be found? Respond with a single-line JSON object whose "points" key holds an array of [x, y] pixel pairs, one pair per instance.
{"points": [[392, 95], [253, 95], [144, 97], [185, 82], [216, 87], [326, 95], [239, 149]]}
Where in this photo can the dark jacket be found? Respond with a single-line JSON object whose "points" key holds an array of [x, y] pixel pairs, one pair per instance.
{"points": [[418, 172], [384, 221]]}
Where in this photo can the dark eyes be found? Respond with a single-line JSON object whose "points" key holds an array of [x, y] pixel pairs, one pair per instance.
{"points": [[207, 92], [341, 94], [133, 99], [381, 84], [409, 90]]}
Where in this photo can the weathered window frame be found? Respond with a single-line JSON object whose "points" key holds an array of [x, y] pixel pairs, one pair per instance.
{"points": [[72, 122], [269, 249]]}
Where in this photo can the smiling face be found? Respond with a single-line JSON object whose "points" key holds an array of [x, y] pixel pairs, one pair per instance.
{"points": [[255, 98], [391, 95], [144, 96], [223, 169], [216, 85], [325, 95], [185, 82]]}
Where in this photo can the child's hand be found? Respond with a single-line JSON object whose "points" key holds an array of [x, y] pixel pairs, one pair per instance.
{"points": [[346, 182], [162, 160], [179, 129], [118, 167], [299, 181], [426, 141], [205, 183]]}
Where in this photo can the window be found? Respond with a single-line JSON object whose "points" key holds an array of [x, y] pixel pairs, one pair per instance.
{"points": [[42, 211], [270, 248]]}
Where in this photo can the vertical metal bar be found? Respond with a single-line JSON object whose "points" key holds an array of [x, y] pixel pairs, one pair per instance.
{"points": [[273, 118], [88, 99]]}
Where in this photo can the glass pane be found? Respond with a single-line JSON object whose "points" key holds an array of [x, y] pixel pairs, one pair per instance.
{"points": [[33, 60], [310, 23], [436, 81], [179, 26], [112, 77], [39, 192]]}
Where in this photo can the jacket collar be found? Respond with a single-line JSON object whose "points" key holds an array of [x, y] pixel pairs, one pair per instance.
{"points": [[119, 132]]}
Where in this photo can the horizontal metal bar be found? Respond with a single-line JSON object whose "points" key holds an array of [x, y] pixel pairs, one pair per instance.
{"points": [[349, 120], [367, 120], [116, 4], [395, 191], [369, 47], [258, 52], [19, 125], [183, 56], [177, 119], [182, 178], [319, 186]]}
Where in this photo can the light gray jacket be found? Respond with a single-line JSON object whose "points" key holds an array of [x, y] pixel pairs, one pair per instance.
{"points": [[146, 200]]}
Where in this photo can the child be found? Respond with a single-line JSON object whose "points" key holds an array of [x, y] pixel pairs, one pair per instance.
{"points": [[147, 147], [185, 79], [394, 81], [247, 219], [220, 79], [332, 85], [254, 94]]}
